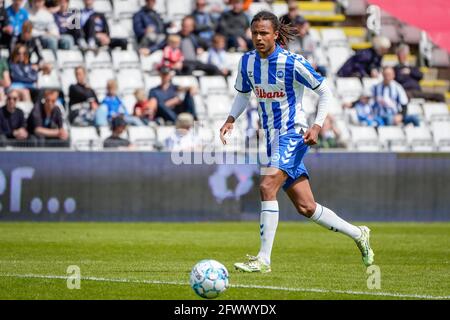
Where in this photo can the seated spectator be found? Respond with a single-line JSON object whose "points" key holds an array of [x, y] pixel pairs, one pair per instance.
{"points": [[6, 29], [183, 138], [46, 123], [172, 55], [409, 76], [44, 25], [365, 112], [217, 54], [118, 126], [112, 107], [66, 22], [205, 23], [305, 45], [193, 46], [149, 28], [5, 79], [143, 109], [235, 25], [33, 45], [23, 74], [391, 101], [165, 98], [17, 16], [329, 135], [366, 62], [83, 102], [293, 13], [12, 120]]}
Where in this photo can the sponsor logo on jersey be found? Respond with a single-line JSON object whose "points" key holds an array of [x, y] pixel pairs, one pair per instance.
{"points": [[262, 94]]}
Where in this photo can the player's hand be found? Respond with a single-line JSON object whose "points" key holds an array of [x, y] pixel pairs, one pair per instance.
{"points": [[312, 135], [227, 128]]}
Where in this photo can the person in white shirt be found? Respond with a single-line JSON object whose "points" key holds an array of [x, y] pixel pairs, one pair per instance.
{"points": [[44, 25], [183, 138]]}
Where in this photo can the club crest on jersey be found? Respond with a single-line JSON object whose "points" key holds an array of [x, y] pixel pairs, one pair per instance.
{"points": [[262, 94], [280, 74]]}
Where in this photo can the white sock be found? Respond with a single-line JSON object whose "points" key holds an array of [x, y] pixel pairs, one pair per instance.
{"points": [[328, 219], [268, 227]]}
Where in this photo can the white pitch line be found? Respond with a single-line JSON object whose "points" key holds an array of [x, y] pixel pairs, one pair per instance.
{"points": [[178, 283]]}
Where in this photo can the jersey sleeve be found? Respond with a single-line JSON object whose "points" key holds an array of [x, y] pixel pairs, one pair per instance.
{"points": [[242, 83], [306, 75]]}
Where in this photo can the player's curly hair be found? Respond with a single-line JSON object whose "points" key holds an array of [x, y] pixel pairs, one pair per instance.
{"points": [[285, 31]]}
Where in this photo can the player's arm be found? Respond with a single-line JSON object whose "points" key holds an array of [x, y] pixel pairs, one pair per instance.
{"points": [[239, 105], [312, 134]]}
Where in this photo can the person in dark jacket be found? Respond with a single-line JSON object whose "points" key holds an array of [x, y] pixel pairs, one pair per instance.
{"points": [[234, 24], [96, 31], [409, 76], [366, 62], [66, 20], [6, 30], [149, 28], [12, 120], [23, 74], [205, 24]]}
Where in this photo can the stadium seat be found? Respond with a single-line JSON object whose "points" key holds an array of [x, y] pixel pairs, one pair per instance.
{"points": [[415, 109], [349, 88], [98, 79], [343, 128], [151, 81], [256, 7], [100, 60], [84, 138], [410, 34], [337, 56], [49, 80], [150, 62], [392, 138], [129, 80], [364, 138], [185, 81], [48, 56], [419, 139], [213, 84], [356, 8], [441, 135], [67, 78], [179, 8], [218, 106], [76, 4], [368, 83], [333, 37], [119, 31], [125, 59], [436, 111], [25, 106], [280, 8], [69, 58], [125, 9], [103, 6], [129, 101], [143, 137], [391, 32], [164, 132], [439, 58]]}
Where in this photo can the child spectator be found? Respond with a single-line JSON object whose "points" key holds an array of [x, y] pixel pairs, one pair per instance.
{"points": [[118, 126], [143, 109], [217, 54], [365, 112], [23, 74], [172, 55]]}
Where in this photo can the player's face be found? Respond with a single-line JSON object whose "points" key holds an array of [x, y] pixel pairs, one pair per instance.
{"points": [[264, 37]]}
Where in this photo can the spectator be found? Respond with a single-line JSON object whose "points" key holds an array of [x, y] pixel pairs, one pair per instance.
{"points": [[143, 109], [23, 74], [17, 16], [86, 12], [112, 107], [5, 79], [409, 76], [45, 122], [96, 31], [391, 101], [12, 120], [33, 45], [329, 135], [83, 102], [166, 99], [305, 45], [234, 24], [6, 29], [44, 25], [217, 54], [68, 30], [149, 28], [205, 24], [365, 112], [172, 55], [366, 62], [192, 46], [293, 13], [183, 138], [118, 126]]}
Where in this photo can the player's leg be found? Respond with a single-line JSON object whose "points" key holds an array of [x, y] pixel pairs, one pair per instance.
{"points": [[302, 197], [269, 186]]}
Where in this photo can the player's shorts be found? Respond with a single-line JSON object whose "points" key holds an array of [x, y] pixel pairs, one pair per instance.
{"points": [[288, 156]]}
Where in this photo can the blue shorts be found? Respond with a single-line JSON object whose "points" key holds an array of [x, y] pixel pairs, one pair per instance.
{"points": [[287, 155]]}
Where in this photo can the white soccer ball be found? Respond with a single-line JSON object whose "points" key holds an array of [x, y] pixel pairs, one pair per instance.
{"points": [[209, 278]]}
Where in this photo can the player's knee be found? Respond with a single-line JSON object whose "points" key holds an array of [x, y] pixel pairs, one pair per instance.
{"points": [[267, 190], [306, 209]]}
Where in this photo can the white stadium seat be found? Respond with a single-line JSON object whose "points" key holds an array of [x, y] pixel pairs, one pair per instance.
{"points": [[436, 111], [419, 139], [164, 132], [84, 138], [333, 36], [392, 138], [369, 83], [185, 81], [337, 56], [48, 56], [218, 106], [124, 59], [151, 82], [103, 6], [129, 101], [129, 80], [143, 137], [364, 138], [69, 58], [49, 80], [349, 88], [149, 63], [25, 106], [179, 8], [100, 60], [213, 84], [441, 135], [67, 78], [99, 77], [125, 8]]}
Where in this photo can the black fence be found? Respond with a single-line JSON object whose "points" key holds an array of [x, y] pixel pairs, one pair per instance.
{"points": [[146, 186]]}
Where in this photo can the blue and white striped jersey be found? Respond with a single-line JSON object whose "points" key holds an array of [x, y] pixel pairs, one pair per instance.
{"points": [[278, 83], [393, 95]]}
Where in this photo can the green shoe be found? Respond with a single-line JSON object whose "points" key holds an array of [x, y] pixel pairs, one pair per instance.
{"points": [[364, 246], [254, 264]]}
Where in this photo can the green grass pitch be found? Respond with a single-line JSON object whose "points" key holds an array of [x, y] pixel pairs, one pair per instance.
{"points": [[153, 260]]}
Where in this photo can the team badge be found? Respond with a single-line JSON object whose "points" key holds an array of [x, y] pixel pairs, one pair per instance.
{"points": [[280, 73]]}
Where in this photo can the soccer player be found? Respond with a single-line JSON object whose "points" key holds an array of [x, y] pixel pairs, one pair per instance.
{"points": [[278, 79]]}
